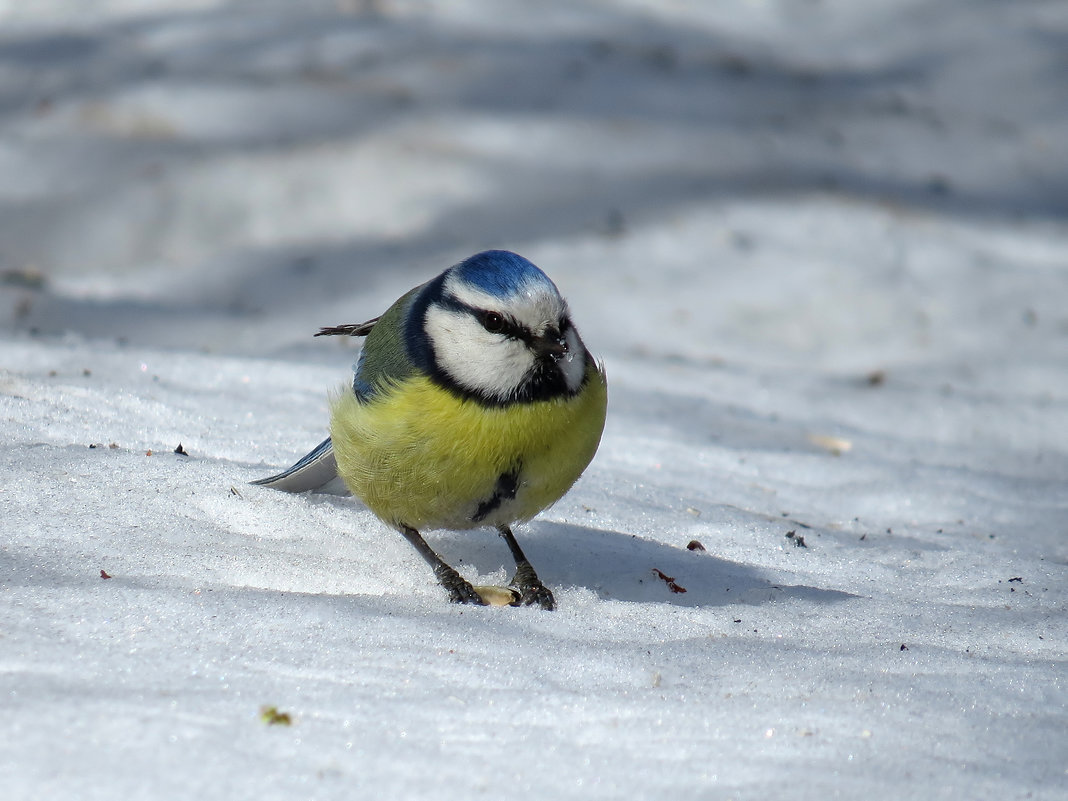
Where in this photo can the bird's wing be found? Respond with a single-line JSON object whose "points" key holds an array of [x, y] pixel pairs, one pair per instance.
{"points": [[316, 471]]}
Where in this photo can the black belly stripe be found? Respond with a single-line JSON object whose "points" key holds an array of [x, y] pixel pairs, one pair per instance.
{"points": [[507, 487]]}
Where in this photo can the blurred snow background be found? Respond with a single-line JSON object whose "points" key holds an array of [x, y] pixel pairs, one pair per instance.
{"points": [[822, 247]]}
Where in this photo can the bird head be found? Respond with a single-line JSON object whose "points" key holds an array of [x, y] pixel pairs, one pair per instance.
{"points": [[495, 328]]}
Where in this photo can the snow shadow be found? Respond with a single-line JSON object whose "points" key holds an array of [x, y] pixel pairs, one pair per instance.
{"points": [[626, 567]]}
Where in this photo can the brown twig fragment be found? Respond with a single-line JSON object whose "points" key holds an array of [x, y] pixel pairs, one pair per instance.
{"points": [[669, 580]]}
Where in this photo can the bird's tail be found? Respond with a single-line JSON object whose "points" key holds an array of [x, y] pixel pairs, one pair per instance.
{"points": [[315, 472]]}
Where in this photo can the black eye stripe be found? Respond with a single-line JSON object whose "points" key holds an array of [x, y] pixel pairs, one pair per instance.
{"points": [[508, 327]]}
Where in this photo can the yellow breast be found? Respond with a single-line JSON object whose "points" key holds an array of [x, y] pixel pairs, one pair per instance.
{"points": [[419, 456]]}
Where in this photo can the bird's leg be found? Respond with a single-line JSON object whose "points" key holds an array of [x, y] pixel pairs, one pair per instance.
{"points": [[531, 590], [459, 589]]}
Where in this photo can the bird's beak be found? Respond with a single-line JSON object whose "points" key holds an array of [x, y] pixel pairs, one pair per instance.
{"points": [[552, 345]]}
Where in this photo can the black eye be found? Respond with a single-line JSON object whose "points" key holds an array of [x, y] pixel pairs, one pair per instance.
{"points": [[492, 322]]}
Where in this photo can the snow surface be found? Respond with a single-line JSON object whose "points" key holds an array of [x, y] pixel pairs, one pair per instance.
{"points": [[822, 248]]}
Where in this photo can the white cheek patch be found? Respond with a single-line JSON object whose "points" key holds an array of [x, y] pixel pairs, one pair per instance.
{"points": [[486, 363]]}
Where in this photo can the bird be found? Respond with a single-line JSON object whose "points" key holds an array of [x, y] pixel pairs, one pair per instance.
{"points": [[474, 403]]}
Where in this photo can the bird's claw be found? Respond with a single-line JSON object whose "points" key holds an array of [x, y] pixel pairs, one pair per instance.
{"points": [[531, 591], [459, 589]]}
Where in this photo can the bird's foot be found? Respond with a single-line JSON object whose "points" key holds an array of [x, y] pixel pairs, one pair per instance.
{"points": [[459, 589], [531, 591]]}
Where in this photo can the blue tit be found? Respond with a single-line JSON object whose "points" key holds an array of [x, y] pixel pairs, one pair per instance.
{"points": [[474, 403]]}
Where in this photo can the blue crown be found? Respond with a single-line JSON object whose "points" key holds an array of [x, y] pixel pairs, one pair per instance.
{"points": [[501, 273]]}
